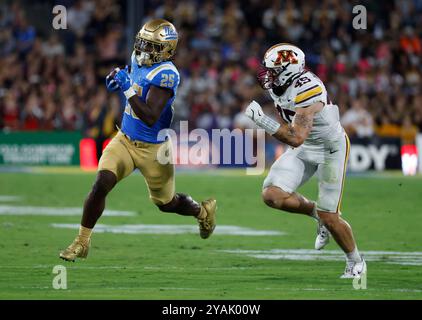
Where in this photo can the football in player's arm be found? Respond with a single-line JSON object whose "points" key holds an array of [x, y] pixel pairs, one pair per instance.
{"points": [[150, 110]]}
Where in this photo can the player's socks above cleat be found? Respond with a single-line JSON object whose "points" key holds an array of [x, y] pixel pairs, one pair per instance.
{"points": [[323, 236], [78, 249], [206, 218], [354, 269]]}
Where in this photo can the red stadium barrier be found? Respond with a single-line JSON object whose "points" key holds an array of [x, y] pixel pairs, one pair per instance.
{"points": [[409, 159], [106, 142], [88, 154]]}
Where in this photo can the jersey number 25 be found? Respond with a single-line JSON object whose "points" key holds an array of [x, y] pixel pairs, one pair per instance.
{"points": [[167, 80]]}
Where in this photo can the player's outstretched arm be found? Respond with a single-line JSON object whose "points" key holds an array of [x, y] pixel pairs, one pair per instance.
{"points": [[149, 111], [292, 134]]}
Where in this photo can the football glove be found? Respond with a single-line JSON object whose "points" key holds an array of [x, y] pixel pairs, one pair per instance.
{"points": [[122, 78], [111, 84], [254, 112]]}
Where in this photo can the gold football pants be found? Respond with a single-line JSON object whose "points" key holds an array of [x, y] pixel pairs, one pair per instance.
{"points": [[122, 156]]}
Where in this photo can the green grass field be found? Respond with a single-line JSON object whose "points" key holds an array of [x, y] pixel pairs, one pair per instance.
{"points": [[385, 213]]}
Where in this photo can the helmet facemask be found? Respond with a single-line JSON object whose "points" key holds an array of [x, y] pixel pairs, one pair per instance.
{"points": [[270, 78], [147, 52]]}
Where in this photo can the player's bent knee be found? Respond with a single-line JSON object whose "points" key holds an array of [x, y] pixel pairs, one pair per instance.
{"points": [[330, 219], [105, 181], [274, 197]]}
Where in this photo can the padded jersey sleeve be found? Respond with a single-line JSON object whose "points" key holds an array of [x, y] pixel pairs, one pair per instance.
{"points": [[164, 76], [308, 90]]}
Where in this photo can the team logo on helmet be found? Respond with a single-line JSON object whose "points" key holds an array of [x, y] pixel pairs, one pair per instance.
{"points": [[285, 56], [170, 33]]}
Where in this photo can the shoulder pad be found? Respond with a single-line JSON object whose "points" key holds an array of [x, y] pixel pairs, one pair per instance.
{"points": [[164, 75], [308, 89]]}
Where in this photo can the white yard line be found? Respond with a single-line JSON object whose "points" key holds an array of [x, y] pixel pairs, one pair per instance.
{"points": [[72, 266], [172, 229], [406, 290], [7, 198], [9, 210], [389, 257]]}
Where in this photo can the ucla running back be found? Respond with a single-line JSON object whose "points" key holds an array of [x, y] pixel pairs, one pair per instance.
{"points": [[318, 145], [150, 86]]}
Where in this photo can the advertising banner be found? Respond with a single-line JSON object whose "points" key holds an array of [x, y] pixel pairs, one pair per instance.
{"points": [[374, 154], [40, 148]]}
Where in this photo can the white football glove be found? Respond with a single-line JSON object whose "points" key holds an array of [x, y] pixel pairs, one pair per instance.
{"points": [[254, 111]]}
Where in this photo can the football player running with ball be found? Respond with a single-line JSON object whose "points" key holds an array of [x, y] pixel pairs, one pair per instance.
{"points": [[318, 145], [150, 86]]}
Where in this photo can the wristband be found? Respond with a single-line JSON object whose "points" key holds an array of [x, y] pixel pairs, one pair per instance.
{"points": [[268, 124], [129, 93]]}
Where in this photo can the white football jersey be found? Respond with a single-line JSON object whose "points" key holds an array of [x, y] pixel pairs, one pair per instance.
{"points": [[303, 92]]}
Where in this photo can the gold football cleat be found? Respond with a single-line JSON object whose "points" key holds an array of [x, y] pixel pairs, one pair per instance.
{"points": [[78, 249], [207, 223]]}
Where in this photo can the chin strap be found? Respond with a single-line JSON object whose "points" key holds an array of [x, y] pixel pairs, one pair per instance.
{"points": [[281, 89]]}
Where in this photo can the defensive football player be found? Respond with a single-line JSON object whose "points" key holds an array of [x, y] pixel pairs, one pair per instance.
{"points": [[150, 86], [318, 145]]}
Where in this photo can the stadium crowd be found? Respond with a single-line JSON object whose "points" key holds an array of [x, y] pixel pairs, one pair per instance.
{"points": [[55, 80]]}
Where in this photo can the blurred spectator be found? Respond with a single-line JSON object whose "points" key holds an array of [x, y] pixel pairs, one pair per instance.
{"points": [[10, 113], [410, 42], [52, 47], [55, 81], [408, 131], [46, 86], [387, 128], [79, 16], [32, 114], [357, 121], [24, 34], [100, 118]]}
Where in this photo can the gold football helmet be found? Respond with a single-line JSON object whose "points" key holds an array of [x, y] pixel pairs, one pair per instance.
{"points": [[155, 42]]}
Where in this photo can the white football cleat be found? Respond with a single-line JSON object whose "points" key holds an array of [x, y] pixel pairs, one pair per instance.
{"points": [[355, 270], [323, 236]]}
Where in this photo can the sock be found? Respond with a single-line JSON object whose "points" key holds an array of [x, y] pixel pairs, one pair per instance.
{"points": [[314, 213], [85, 233], [354, 256]]}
